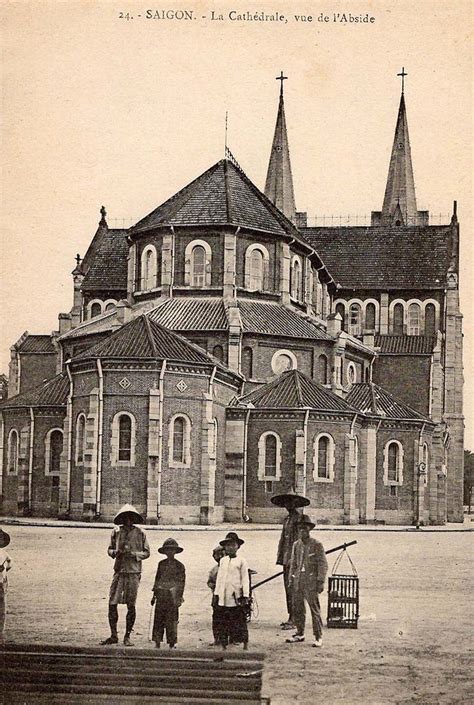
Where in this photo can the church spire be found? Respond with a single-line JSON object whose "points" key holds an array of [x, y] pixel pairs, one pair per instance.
{"points": [[279, 183], [399, 203]]}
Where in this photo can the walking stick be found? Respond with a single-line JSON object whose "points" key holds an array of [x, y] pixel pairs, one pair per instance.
{"points": [[342, 547]]}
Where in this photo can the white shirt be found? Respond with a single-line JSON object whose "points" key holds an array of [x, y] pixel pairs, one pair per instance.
{"points": [[7, 564], [232, 581]]}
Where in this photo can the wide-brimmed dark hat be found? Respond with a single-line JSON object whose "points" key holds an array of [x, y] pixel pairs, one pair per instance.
{"points": [[290, 500], [170, 545], [128, 509], [305, 520], [232, 536], [4, 538]]}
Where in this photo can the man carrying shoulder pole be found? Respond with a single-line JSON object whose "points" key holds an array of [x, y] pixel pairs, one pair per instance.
{"points": [[292, 502], [308, 569]]}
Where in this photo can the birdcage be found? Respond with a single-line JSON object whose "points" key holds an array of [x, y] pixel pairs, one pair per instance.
{"points": [[343, 597]]}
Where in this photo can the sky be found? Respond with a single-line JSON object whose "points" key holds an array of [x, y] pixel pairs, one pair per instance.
{"points": [[101, 109]]}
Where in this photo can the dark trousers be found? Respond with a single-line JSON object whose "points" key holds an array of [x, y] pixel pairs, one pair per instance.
{"points": [[288, 592], [306, 592], [231, 625], [215, 624], [165, 620], [129, 622]]}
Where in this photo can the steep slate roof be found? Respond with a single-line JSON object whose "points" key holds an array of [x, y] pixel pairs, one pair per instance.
{"points": [[275, 319], [294, 390], [36, 344], [384, 257], [108, 266], [405, 344], [51, 393], [221, 195], [372, 399], [186, 313], [145, 339]]}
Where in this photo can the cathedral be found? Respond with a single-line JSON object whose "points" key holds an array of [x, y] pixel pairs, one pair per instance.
{"points": [[221, 351]]}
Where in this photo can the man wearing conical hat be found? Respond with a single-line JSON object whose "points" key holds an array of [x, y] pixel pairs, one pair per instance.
{"points": [[5, 565], [292, 502], [129, 547]]}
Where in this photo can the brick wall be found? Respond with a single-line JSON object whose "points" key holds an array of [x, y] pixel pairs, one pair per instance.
{"points": [[406, 377]]}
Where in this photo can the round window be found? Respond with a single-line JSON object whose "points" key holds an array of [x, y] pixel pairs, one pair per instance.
{"points": [[282, 361], [351, 373]]}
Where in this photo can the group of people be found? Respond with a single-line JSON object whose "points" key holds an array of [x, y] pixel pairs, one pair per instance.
{"points": [[304, 573]]}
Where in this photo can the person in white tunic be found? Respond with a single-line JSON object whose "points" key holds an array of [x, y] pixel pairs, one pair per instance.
{"points": [[232, 594]]}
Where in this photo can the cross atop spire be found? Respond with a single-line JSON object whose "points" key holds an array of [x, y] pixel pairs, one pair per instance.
{"points": [[402, 75], [281, 78]]}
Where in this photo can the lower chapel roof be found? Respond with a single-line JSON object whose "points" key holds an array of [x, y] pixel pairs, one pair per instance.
{"points": [[371, 399], [384, 257], [295, 390], [405, 344], [143, 338], [51, 393]]}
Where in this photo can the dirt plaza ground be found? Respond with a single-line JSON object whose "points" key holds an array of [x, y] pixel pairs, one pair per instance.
{"points": [[414, 643]]}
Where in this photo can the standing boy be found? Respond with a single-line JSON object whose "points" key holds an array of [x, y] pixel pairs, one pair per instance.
{"points": [[289, 534], [129, 546], [217, 554], [5, 565], [168, 592], [232, 594], [308, 568]]}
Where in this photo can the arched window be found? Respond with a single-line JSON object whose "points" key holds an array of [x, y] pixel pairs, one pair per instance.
{"points": [[123, 439], [180, 441], [323, 369], [356, 457], [80, 438], [393, 463], [398, 319], [269, 457], [13, 452], [256, 271], [323, 458], [218, 352], [95, 309], [110, 306], [212, 438], [283, 360], [53, 450], [355, 319], [370, 316], [318, 295], [414, 319], [148, 268], [257, 262], [247, 362], [295, 283], [341, 310], [198, 266], [430, 319]]}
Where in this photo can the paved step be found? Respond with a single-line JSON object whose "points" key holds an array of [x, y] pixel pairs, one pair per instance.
{"points": [[42, 674]]}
